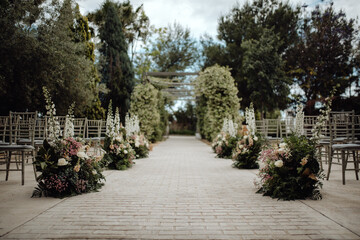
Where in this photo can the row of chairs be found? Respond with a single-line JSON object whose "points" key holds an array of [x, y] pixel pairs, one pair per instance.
{"points": [[22, 133], [340, 137]]}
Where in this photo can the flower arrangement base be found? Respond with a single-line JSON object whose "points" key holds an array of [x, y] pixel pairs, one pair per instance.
{"points": [[291, 171], [247, 151], [66, 169], [119, 153]]}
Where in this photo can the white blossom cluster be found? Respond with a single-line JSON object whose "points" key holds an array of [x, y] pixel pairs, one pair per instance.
{"points": [[110, 131], [117, 124], [54, 130], [69, 122], [250, 119], [299, 120], [321, 120], [132, 125], [229, 127]]}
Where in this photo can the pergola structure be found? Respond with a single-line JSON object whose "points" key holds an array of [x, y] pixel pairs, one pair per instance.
{"points": [[176, 85]]}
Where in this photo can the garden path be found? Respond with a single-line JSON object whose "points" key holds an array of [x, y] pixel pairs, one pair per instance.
{"points": [[183, 192]]}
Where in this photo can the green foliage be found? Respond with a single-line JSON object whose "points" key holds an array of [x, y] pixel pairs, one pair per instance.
{"points": [[263, 68], [217, 100], [247, 151], [224, 144], [117, 69], [83, 33], [135, 23], [291, 171], [324, 55], [173, 49], [145, 104], [119, 153], [66, 169], [164, 117], [185, 119], [45, 55], [256, 37]]}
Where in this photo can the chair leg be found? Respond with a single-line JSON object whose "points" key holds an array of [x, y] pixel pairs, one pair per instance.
{"points": [[320, 158], [8, 166], [329, 162], [344, 163], [22, 168], [34, 167], [356, 166]]}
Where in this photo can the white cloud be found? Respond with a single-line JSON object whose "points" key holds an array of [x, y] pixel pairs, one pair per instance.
{"points": [[202, 16]]}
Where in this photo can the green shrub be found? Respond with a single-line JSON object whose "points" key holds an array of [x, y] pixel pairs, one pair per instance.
{"points": [[144, 104], [217, 100]]}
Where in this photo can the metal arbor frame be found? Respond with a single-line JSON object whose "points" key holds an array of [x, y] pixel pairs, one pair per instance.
{"points": [[173, 84]]}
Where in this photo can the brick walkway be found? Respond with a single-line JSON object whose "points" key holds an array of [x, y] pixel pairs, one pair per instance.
{"points": [[181, 192]]}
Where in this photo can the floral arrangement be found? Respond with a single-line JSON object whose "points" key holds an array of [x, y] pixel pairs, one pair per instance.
{"points": [[247, 151], [67, 169], [225, 141], [291, 170], [69, 122], [137, 140], [249, 145], [323, 117], [53, 125], [65, 165], [119, 153]]}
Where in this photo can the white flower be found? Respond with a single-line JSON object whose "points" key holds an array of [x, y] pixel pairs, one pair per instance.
{"points": [[282, 145], [279, 163], [82, 155], [255, 138], [137, 142], [246, 137], [119, 138], [62, 162], [241, 146], [94, 172], [125, 151]]}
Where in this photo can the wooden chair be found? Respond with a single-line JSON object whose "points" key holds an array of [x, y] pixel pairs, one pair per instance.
{"points": [[13, 130], [92, 133], [79, 127], [342, 142]]}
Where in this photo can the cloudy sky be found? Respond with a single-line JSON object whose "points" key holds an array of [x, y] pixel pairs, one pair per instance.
{"points": [[201, 16]]}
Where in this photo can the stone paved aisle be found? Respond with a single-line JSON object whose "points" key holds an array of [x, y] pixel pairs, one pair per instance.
{"points": [[181, 192]]}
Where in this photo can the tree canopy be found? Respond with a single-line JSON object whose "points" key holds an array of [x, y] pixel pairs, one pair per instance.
{"points": [[117, 71]]}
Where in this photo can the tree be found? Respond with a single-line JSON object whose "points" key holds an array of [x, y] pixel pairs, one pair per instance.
{"points": [[324, 56], [117, 71], [45, 55], [249, 24], [217, 100], [266, 83], [135, 23], [83, 34], [172, 49]]}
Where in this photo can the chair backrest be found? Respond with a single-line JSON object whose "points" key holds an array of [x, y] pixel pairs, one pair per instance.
{"points": [[357, 127], [342, 126], [260, 127], [309, 124], [273, 127], [40, 129], [4, 124], [79, 127], [93, 128], [286, 126], [22, 126], [103, 128]]}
